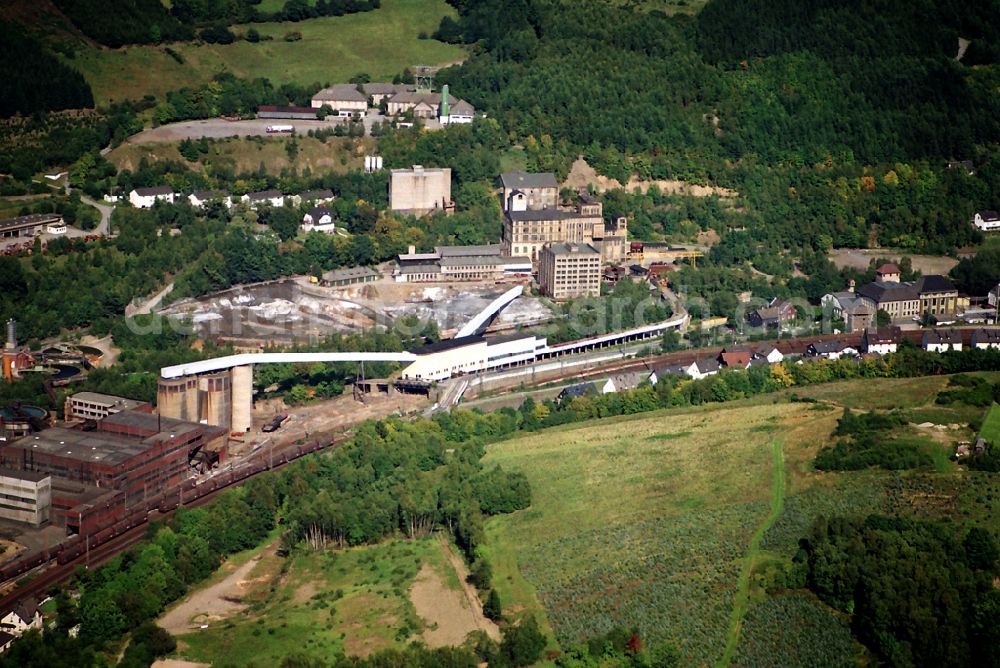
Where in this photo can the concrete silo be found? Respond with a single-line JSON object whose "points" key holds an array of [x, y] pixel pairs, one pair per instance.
{"points": [[242, 398], [213, 398]]}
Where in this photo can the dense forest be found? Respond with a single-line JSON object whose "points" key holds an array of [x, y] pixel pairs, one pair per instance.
{"points": [[831, 136], [32, 79], [920, 593]]}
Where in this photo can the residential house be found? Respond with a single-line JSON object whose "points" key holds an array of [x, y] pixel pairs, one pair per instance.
{"points": [[624, 382], [313, 197], [343, 99], [23, 616], [986, 338], [774, 315], [461, 112], [318, 219], [657, 375], [986, 221], [703, 368], [200, 198], [941, 340], [881, 341], [735, 357], [769, 353], [144, 198], [831, 350], [580, 390], [993, 298], [264, 198]]}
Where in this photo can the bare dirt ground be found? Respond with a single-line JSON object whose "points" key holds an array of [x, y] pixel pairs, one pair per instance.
{"points": [[451, 615], [178, 663], [860, 258], [221, 600], [583, 175]]}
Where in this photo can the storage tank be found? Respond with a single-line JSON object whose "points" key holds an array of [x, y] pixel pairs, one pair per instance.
{"points": [[242, 397], [213, 394], [178, 398]]}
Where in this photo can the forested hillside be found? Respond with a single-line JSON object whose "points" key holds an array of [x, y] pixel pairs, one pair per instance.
{"points": [[783, 81], [32, 79]]}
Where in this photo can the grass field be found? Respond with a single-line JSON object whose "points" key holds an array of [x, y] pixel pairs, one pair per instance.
{"points": [[991, 426], [380, 43], [317, 604], [242, 155], [661, 521], [641, 521]]}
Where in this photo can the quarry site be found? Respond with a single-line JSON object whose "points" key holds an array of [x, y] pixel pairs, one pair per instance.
{"points": [[298, 311]]}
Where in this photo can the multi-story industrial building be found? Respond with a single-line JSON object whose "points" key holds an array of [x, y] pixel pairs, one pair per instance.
{"points": [[25, 496], [570, 270], [420, 190], [136, 453], [460, 263], [95, 406], [533, 219]]}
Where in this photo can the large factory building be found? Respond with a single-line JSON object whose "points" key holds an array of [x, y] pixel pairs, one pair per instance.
{"points": [[133, 452]]}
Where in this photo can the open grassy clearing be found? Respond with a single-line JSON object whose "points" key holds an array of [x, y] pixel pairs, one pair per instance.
{"points": [[337, 154], [991, 425], [380, 43], [647, 520], [883, 394], [641, 521], [356, 601]]}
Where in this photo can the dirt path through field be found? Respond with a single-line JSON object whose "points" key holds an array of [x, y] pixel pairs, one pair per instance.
{"points": [[221, 600], [451, 615], [742, 602]]}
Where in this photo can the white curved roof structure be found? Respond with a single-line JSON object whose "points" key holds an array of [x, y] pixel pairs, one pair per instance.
{"points": [[229, 361], [477, 324]]}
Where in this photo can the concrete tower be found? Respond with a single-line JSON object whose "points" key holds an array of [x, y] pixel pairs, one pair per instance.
{"points": [[242, 401]]}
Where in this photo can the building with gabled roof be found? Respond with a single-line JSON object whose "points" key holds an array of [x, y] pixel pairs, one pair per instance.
{"points": [[881, 341], [735, 357], [343, 99], [831, 350], [986, 221], [986, 337], [942, 340], [145, 198]]}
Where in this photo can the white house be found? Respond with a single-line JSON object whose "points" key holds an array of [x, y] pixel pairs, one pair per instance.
{"points": [[658, 374], [702, 369], [986, 338], [318, 219], [993, 298], [769, 353], [56, 228], [462, 112], [23, 616], [941, 340], [831, 350], [880, 341], [200, 198], [264, 198], [986, 221], [144, 198], [312, 197]]}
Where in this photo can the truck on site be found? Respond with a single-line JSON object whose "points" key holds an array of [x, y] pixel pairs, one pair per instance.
{"points": [[274, 424], [280, 129]]}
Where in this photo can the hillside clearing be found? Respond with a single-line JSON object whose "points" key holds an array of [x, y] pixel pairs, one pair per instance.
{"points": [[380, 43]]}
